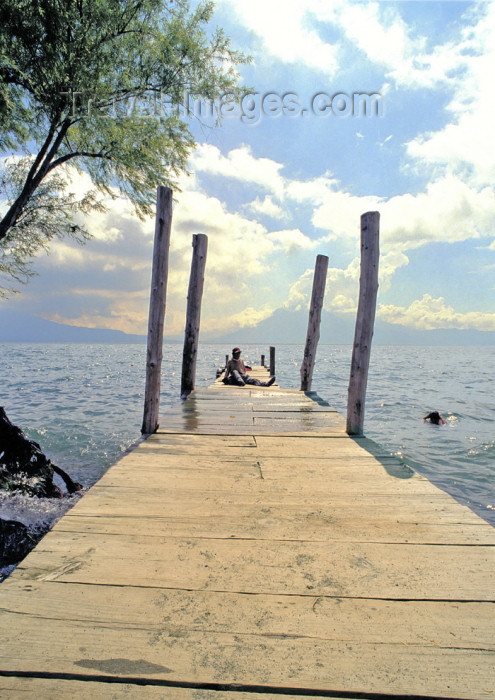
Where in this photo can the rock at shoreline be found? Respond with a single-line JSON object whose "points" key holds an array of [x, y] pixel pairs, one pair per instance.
{"points": [[25, 472], [24, 467], [17, 540]]}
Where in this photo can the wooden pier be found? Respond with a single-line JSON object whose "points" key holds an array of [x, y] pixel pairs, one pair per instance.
{"points": [[251, 548]]}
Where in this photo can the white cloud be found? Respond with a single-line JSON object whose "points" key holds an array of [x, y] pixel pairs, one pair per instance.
{"points": [[234, 240], [284, 28], [335, 210], [388, 265], [428, 313], [289, 241], [450, 209], [246, 317], [267, 207], [383, 41], [342, 285], [239, 164], [340, 291], [378, 30], [65, 253], [465, 145], [291, 32], [342, 288], [298, 297]]}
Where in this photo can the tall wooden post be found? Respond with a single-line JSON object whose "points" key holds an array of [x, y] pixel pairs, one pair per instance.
{"points": [[272, 360], [262, 360], [313, 334], [159, 276], [365, 319], [194, 296]]}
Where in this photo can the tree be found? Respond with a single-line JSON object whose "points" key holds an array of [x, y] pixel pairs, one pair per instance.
{"points": [[95, 86]]}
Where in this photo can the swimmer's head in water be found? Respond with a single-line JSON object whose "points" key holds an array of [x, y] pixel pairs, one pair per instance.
{"points": [[435, 417]]}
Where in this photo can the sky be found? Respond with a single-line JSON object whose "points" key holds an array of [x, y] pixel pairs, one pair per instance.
{"points": [[295, 164]]}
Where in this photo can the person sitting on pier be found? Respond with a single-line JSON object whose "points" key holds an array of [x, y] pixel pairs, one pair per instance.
{"points": [[236, 372], [436, 418]]}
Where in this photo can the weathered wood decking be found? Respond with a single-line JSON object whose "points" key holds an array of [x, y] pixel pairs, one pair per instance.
{"points": [[251, 549]]}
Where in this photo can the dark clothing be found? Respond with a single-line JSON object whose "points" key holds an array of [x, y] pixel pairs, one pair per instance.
{"points": [[240, 379]]}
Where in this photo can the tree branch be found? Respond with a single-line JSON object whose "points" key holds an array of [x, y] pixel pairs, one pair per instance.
{"points": [[76, 154], [37, 172]]}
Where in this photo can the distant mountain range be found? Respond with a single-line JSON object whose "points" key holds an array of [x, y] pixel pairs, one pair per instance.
{"points": [[18, 327], [282, 327]]}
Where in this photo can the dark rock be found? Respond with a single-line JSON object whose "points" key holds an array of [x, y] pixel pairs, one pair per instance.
{"points": [[17, 540], [24, 467]]}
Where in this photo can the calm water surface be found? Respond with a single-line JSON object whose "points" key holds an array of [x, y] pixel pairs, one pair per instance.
{"points": [[83, 404]]}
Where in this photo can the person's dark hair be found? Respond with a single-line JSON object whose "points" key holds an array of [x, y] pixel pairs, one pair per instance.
{"points": [[434, 417]]}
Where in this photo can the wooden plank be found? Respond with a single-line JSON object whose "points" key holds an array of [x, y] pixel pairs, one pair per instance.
{"points": [[193, 417], [273, 409], [409, 623], [194, 420], [198, 444], [256, 481], [268, 431], [416, 510], [265, 566], [61, 689], [317, 446], [278, 661], [281, 445], [298, 421], [316, 475], [286, 524], [414, 505], [257, 477], [234, 415]]}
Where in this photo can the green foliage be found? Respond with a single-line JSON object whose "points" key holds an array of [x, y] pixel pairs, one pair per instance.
{"points": [[51, 212], [72, 73]]}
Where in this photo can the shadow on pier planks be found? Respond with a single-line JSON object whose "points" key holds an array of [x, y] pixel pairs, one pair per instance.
{"points": [[250, 548]]}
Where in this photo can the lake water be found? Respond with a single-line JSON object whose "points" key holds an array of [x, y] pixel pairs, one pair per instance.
{"points": [[84, 404]]}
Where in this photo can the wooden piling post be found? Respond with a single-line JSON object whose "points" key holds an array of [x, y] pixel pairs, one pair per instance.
{"points": [[262, 360], [365, 319], [313, 334], [194, 296], [272, 360], [159, 276]]}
